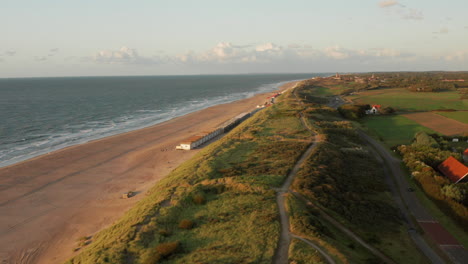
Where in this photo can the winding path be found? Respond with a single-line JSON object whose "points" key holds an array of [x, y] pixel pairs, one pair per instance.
{"points": [[281, 254]]}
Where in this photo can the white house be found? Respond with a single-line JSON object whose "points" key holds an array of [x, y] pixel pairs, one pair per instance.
{"points": [[374, 110]]}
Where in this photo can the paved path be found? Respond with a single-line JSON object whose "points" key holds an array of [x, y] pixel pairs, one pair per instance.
{"points": [[454, 250]]}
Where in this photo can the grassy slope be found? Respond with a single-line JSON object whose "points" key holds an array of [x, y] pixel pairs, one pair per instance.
{"points": [[224, 191], [404, 100], [394, 129], [347, 183], [459, 116]]}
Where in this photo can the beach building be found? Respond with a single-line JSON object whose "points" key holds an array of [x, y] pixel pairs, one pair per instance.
{"points": [[203, 137], [197, 140], [454, 170]]}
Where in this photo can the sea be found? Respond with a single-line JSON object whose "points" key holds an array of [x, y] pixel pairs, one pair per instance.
{"points": [[41, 115]]}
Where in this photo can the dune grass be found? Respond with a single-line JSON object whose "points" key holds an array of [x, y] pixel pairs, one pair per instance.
{"points": [[218, 207]]}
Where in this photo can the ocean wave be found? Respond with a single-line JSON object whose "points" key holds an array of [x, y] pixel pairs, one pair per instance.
{"points": [[72, 134]]}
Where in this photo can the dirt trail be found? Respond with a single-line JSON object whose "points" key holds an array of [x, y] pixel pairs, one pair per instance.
{"points": [[281, 254]]}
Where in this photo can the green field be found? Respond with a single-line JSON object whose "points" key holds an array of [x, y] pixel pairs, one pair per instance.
{"points": [[395, 129], [404, 100], [461, 116]]}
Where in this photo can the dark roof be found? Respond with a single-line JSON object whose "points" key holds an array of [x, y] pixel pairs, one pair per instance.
{"points": [[453, 169]]}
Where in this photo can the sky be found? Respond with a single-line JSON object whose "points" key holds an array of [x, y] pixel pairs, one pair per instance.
{"points": [[179, 37]]}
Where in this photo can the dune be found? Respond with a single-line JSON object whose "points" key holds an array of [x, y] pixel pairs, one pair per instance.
{"points": [[49, 202]]}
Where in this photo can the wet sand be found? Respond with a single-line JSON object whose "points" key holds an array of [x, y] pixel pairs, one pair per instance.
{"points": [[48, 202]]}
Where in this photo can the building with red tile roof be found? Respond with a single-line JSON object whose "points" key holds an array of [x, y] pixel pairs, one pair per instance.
{"points": [[453, 169]]}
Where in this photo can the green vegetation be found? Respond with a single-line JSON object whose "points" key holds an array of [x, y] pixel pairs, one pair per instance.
{"points": [[461, 116], [404, 100], [344, 179], [307, 222], [451, 198], [218, 207], [301, 253], [394, 130]]}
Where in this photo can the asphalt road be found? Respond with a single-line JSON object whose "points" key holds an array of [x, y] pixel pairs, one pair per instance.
{"points": [[410, 206]]}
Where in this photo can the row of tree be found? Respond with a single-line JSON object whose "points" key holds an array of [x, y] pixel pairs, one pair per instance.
{"points": [[422, 159]]}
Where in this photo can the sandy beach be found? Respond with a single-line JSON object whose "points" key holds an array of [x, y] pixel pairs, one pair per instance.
{"points": [[48, 202]]}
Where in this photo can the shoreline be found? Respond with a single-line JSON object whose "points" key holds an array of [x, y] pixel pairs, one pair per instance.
{"points": [[125, 131], [49, 201]]}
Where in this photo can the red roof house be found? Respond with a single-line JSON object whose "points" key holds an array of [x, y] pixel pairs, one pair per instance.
{"points": [[453, 169]]}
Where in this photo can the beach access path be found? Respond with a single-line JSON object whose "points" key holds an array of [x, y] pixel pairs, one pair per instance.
{"points": [[49, 202]]}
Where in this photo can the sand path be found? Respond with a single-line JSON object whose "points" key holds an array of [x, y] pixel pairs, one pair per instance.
{"points": [[47, 203]]}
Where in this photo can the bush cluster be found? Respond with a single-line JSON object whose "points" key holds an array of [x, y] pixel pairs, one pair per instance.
{"points": [[422, 161]]}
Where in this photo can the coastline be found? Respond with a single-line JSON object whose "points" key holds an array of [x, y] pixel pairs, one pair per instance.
{"points": [[49, 201]]}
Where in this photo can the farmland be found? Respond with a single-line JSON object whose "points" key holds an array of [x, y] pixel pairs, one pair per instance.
{"points": [[438, 123], [395, 129], [403, 100], [461, 116]]}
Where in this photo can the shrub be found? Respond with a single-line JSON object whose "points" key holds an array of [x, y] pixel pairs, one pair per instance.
{"points": [[186, 224], [167, 249], [199, 198]]}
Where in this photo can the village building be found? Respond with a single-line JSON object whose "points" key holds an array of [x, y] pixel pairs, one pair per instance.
{"points": [[454, 170], [359, 80], [375, 109]]}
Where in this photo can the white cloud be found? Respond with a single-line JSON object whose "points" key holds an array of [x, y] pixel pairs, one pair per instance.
{"points": [[10, 53], [388, 3], [457, 56], [337, 52], [40, 58], [124, 55], [444, 30], [402, 10], [270, 57], [413, 14]]}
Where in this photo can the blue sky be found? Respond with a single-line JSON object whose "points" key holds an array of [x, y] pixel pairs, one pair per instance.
{"points": [[116, 37]]}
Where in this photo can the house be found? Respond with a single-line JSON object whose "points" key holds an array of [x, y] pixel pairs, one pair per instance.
{"points": [[375, 109], [454, 170]]}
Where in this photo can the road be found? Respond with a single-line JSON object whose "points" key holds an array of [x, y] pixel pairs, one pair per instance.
{"points": [[410, 206]]}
